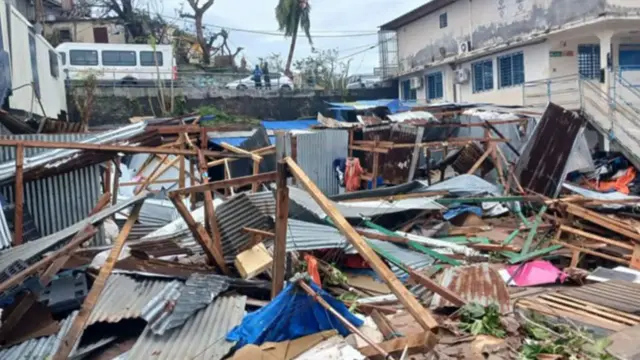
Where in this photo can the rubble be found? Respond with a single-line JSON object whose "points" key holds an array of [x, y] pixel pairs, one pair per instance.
{"points": [[460, 232]]}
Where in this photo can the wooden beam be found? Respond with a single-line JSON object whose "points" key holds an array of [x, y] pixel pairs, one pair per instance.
{"points": [[127, 149], [446, 294], [235, 182], [256, 171], [182, 172], [75, 331], [384, 325], [192, 173], [211, 218], [603, 221], [415, 343], [238, 150], [510, 171], [157, 174], [264, 233], [106, 180], [416, 154], [282, 215], [422, 315], [18, 220], [137, 183], [591, 252], [81, 237], [262, 151], [392, 198], [200, 234], [597, 238], [116, 180], [481, 160]]}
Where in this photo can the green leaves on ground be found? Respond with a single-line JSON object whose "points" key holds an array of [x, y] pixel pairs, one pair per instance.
{"points": [[480, 320]]}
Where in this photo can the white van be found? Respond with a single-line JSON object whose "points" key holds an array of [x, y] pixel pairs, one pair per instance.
{"points": [[118, 63]]}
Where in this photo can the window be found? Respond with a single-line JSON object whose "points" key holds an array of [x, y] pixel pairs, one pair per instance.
{"points": [[147, 58], [53, 64], [64, 35], [511, 70], [629, 56], [34, 63], [63, 58], [83, 57], [118, 58], [407, 92], [482, 76], [435, 87], [589, 60], [443, 21]]}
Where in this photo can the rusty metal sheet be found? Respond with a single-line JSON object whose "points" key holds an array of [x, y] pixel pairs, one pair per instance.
{"points": [[475, 284], [393, 166], [616, 294], [468, 156], [542, 166]]}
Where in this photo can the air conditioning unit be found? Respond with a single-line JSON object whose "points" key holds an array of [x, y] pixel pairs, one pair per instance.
{"points": [[462, 76], [416, 83], [464, 47]]}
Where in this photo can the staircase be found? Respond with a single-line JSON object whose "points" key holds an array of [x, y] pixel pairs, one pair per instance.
{"points": [[614, 113]]}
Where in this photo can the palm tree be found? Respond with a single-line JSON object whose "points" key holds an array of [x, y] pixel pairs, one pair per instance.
{"points": [[291, 15]]}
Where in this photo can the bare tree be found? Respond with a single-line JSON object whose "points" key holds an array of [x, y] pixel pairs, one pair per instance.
{"points": [[198, 14]]}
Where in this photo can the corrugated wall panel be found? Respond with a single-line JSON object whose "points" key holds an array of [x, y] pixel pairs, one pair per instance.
{"points": [[316, 153], [60, 201]]}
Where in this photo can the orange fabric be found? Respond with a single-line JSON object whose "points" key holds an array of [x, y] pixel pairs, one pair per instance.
{"points": [[353, 170], [620, 184], [312, 269]]}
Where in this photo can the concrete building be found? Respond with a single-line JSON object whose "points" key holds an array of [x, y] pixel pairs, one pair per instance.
{"points": [[52, 8], [487, 50], [105, 31]]}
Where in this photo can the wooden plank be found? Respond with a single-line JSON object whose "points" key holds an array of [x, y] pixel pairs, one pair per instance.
{"points": [[422, 315], [182, 172], [262, 151], [84, 235], [446, 294], [510, 171], [263, 233], [369, 149], [106, 181], [238, 150], [587, 304], [282, 215], [415, 343], [79, 323], [481, 160], [127, 149], [159, 173], [597, 238], [603, 221], [211, 218], [200, 234], [235, 182], [392, 198], [416, 154], [384, 325], [18, 219], [592, 252], [603, 313], [116, 180], [635, 258], [256, 171], [351, 143]]}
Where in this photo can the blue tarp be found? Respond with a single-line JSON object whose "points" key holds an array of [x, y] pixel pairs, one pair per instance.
{"points": [[292, 314], [304, 124], [453, 212]]}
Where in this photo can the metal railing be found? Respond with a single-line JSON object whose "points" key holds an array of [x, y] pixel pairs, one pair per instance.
{"points": [[612, 112]]}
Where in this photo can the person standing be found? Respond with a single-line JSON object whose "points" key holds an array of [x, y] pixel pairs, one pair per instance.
{"points": [[267, 78], [257, 77]]}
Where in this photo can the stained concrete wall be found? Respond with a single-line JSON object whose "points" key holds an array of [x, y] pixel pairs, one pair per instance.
{"points": [[491, 22]]}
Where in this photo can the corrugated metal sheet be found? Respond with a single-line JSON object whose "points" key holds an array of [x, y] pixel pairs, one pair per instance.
{"points": [[174, 306], [358, 210], [40, 348], [54, 202], [233, 215], [52, 157], [155, 211], [201, 338], [305, 236], [8, 153], [29, 252], [265, 201], [414, 117], [413, 259], [124, 297], [615, 294], [475, 284], [316, 153]]}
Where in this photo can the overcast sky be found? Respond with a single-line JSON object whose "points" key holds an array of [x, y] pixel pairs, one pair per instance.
{"points": [[328, 17]]}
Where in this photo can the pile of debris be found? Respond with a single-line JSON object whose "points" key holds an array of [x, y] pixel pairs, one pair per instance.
{"points": [[430, 233]]}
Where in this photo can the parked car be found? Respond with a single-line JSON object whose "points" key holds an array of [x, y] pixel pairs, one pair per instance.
{"points": [[363, 82], [278, 81]]}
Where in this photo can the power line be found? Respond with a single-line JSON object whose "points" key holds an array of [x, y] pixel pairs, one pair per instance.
{"points": [[345, 33]]}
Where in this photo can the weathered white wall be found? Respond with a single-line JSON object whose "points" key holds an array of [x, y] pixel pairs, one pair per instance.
{"points": [[82, 31], [52, 90], [536, 67]]}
